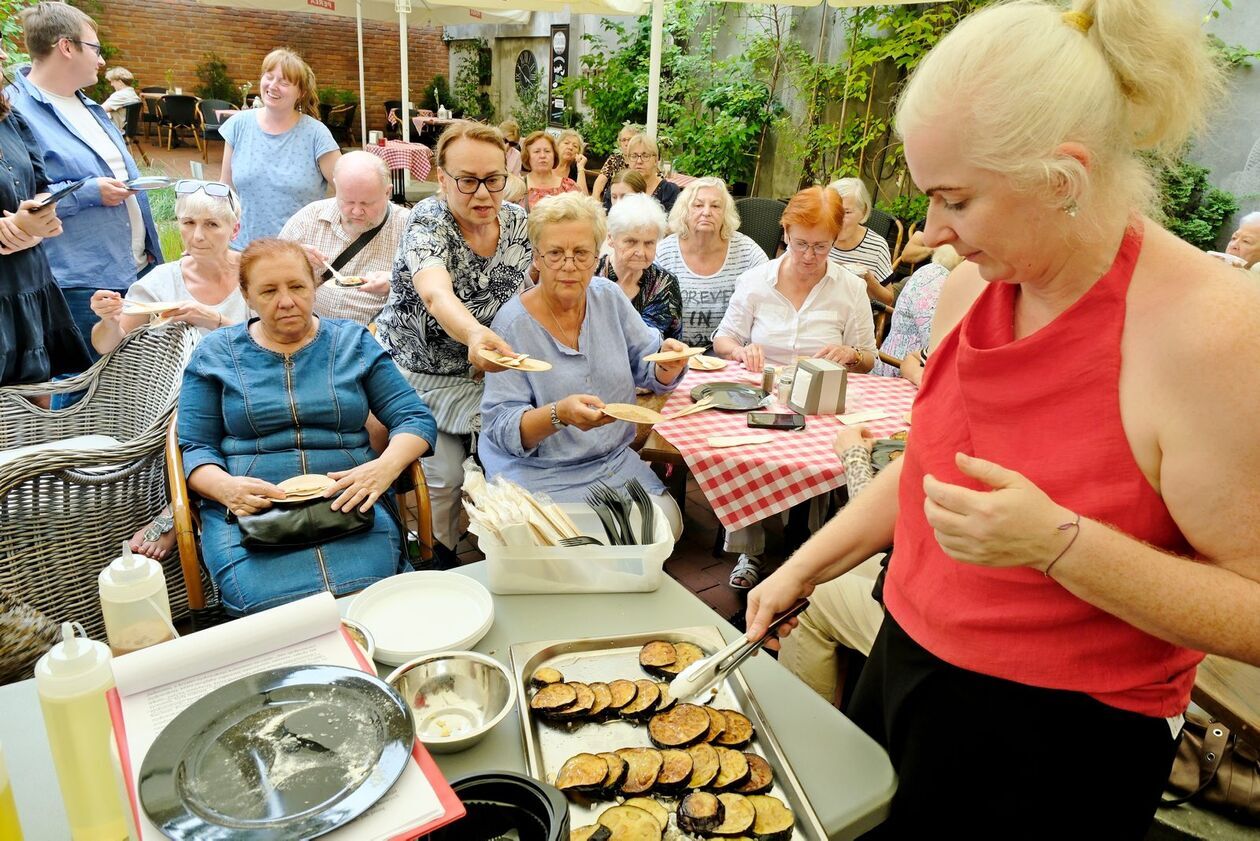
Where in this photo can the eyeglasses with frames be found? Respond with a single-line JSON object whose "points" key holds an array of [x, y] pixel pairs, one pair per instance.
{"points": [[816, 248], [99, 49], [469, 184], [582, 258], [643, 156], [215, 189]]}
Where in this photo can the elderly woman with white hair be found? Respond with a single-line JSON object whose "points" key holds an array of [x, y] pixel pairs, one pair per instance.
{"points": [[857, 247], [1244, 243], [708, 254], [202, 286], [1075, 514], [635, 225], [124, 94], [547, 431]]}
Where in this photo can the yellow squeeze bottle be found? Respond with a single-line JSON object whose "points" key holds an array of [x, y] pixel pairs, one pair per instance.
{"points": [[10, 829], [72, 679]]}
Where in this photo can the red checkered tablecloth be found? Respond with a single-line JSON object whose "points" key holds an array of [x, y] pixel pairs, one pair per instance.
{"points": [[416, 158], [747, 484], [680, 179]]}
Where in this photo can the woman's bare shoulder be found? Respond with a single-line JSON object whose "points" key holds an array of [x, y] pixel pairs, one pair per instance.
{"points": [[958, 293]]}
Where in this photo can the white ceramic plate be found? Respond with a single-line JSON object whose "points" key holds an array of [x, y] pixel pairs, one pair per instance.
{"points": [[149, 182], [420, 613]]}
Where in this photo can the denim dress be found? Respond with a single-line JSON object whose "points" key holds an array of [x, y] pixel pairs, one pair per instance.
{"points": [[256, 412]]}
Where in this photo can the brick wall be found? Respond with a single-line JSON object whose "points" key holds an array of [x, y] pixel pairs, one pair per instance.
{"points": [[152, 36]]}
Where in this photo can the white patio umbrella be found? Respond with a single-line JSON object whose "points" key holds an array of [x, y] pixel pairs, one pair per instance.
{"points": [[421, 14]]}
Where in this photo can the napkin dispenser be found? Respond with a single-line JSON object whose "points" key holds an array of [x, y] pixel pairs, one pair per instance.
{"points": [[818, 387]]}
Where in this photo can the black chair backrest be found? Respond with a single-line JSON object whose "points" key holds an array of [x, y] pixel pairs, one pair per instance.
{"points": [[883, 224], [759, 220], [207, 108], [153, 90], [131, 128], [179, 109], [342, 117]]}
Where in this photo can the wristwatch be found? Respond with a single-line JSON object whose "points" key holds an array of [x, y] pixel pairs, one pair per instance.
{"points": [[555, 418]]}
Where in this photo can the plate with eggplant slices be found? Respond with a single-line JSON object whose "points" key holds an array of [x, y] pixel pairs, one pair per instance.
{"points": [[637, 765]]}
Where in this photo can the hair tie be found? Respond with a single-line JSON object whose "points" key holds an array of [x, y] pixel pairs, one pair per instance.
{"points": [[1080, 21]]}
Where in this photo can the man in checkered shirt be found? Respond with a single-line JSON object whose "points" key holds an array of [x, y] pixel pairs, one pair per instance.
{"points": [[327, 227]]}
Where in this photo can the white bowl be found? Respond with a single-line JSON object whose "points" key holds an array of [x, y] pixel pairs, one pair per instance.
{"points": [[418, 613]]}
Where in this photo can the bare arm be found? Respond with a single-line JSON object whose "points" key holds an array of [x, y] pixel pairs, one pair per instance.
{"points": [[597, 189], [438, 295], [225, 170], [327, 163]]}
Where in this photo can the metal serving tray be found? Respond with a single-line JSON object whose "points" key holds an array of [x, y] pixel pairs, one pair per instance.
{"points": [[548, 745]]}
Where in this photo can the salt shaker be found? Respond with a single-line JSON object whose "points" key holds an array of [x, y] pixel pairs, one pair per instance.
{"points": [[767, 380]]}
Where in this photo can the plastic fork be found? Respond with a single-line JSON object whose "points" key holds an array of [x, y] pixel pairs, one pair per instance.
{"points": [[647, 511], [581, 540]]}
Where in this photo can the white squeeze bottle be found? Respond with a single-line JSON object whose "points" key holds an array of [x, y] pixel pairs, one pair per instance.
{"points": [[72, 679], [10, 829], [134, 602]]}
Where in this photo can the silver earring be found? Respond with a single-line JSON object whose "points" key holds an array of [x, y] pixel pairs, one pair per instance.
{"points": [[1071, 208]]}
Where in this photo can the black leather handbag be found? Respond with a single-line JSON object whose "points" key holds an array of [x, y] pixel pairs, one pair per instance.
{"points": [[301, 525]]}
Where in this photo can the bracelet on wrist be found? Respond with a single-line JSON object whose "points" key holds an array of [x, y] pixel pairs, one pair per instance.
{"points": [[1075, 525]]}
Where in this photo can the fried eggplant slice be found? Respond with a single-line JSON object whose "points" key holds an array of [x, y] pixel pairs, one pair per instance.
{"points": [[704, 765], [555, 696], [717, 724], [760, 776], [667, 700], [732, 769], [623, 692], [685, 653], [652, 807], [603, 699], [645, 700], [700, 812], [545, 677], [675, 770], [774, 820], [581, 706], [594, 832], [738, 814], [643, 765], [616, 773], [656, 655], [630, 823], [680, 727], [582, 773], [738, 731]]}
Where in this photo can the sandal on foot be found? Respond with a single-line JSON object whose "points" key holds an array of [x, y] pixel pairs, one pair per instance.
{"points": [[747, 572], [157, 539]]}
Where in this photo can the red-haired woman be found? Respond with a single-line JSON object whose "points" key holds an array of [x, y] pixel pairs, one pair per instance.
{"points": [[800, 304]]}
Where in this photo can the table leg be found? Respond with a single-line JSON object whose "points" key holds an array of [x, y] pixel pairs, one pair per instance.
{"points": [[400, 185]]}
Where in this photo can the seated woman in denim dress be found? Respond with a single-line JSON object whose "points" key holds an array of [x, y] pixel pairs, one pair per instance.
{"points": [[287, 394], [547, 431]]}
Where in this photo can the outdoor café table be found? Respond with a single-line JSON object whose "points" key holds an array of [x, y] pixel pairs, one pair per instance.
{"points": [[846, 775], [401, 158], [744, 485]]}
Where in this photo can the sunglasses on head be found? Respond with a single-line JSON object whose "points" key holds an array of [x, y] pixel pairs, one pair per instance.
{"points": [[216, 189]]}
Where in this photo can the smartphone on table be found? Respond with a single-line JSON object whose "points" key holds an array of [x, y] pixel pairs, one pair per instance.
{"points": [[776, 420]]}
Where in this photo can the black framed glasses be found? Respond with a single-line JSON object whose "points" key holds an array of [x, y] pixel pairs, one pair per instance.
{"points": [[216, 189], [582, 259], [100, 53], [642, 156], [469, 184]]}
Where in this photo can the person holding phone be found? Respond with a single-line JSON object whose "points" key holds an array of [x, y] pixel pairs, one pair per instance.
{"points": [[110, 236], [37, 338]]}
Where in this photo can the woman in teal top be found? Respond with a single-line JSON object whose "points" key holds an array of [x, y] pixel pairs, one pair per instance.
{"points": [[288, 394], [280, 158]]}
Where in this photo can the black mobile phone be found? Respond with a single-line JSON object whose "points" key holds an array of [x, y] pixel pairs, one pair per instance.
{"points": [[776, 420], [62, 193]]}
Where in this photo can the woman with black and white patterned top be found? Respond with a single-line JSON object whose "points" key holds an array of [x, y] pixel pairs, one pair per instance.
{"points": [[858, 248], [465, 253]]}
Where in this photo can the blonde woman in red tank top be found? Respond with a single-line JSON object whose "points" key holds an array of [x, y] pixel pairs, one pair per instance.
{"points": [[1074, 520]]}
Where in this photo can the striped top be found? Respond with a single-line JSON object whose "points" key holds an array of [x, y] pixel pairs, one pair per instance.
{"points": [[704, 297], [871, 253]]}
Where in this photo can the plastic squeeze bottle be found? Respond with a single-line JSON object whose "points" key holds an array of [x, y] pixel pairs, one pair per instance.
{"points": [[10, 829], [72, 679], [135, 603]]}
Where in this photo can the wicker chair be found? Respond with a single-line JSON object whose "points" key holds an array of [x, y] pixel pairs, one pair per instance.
{"points": [[65, 511], [759, 219], [203, 598]]}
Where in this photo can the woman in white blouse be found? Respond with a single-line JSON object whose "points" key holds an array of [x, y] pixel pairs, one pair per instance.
{"points": [[797, 305]]}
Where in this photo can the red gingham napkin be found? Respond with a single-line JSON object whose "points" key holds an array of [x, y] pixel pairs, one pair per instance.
{"points": [[747, 484]]}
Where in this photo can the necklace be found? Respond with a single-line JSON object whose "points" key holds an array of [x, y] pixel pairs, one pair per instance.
{"points": [[564, 337]]}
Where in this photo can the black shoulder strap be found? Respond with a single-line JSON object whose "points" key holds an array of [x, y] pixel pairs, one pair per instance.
{"points": [[355, 247]]}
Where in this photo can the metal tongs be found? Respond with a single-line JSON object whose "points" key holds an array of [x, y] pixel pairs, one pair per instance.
{"points": [[703, 675]]}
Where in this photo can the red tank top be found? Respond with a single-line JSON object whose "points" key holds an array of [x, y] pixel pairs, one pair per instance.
{"points": [[1047, 406]]}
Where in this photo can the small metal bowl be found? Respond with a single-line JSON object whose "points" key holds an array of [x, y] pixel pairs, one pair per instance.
{"points": [[456, 697], [362, 638]]}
